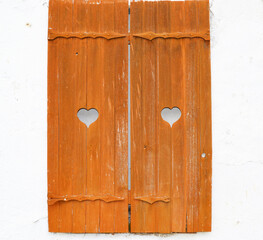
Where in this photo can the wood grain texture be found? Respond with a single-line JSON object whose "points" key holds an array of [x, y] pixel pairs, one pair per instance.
{"points": [[88, 68], [166, 162], [90, 162]]}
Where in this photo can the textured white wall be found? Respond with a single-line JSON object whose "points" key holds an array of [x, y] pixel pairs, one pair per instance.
{"points": [[237, 90]]}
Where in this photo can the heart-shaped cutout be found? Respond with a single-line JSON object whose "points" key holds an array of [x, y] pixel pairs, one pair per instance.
{"points": [[171, 115], [88, 116]]}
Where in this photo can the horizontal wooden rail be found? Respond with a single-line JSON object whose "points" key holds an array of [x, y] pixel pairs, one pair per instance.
{"points": [[112, 35], [153, 199], [80, 198], [177, 35]]}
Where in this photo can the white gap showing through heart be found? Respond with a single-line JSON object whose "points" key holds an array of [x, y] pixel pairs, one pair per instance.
{"points": [[88, 116], [171, 115]]}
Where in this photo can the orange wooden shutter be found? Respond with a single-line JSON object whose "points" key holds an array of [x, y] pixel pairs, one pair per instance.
{"points": [[170, 67], [88, 68], [87, 167]]}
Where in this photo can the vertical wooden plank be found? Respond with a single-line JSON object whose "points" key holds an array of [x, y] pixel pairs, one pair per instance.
{"points": [[94, 75], [198, 126], [142, 120], [79, 79], [66, 114], [178, 204], [192, 119], [148, 128], [163, 129], [136, 119], [205, 122], [52, 131], [108, 118], [121, 118]]}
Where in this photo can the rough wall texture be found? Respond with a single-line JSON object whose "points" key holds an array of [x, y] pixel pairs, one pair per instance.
{"points": [[237, 73]]}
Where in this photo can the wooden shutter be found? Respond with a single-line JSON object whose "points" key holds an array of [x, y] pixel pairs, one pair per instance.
{"points": [[170, 67], [87, 68]]}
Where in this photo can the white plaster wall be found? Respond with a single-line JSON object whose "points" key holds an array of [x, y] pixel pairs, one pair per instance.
{"points": [[237, 90]]}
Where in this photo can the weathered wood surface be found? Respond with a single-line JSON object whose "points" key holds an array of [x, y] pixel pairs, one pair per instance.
{"points": [[88, 68], [167, 71], [88, 166]]}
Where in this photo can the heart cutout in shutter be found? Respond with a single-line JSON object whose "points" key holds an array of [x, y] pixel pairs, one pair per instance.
{"points": [[88, 116], [171, 115]]}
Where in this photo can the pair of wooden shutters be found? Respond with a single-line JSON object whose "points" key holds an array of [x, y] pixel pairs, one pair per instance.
{"points": [[88, 69]]}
